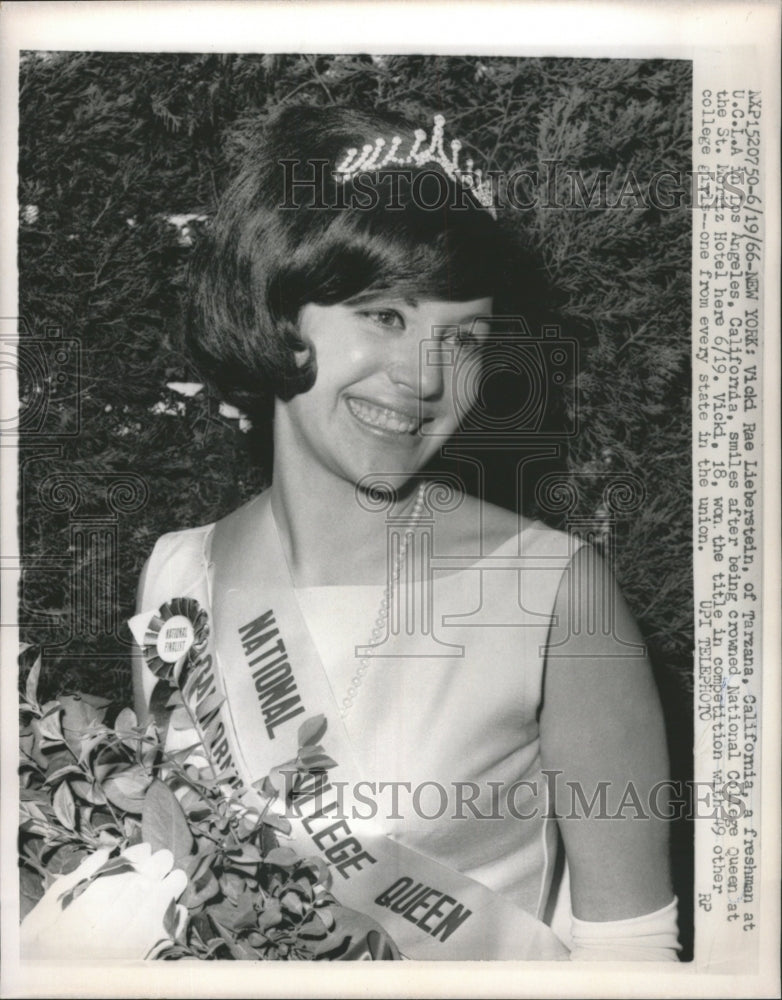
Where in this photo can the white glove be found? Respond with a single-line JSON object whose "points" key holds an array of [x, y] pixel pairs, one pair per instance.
{"points": [[652, 937], [117, 916]]}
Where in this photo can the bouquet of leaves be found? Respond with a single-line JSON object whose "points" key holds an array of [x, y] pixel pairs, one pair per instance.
{"points": [[92, 787]]}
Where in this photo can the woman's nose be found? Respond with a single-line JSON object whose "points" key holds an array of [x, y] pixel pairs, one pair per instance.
{"points": [[417, 366]]}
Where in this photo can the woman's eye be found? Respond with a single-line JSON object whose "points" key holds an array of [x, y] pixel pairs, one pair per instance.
{"points": [[385, 317]]}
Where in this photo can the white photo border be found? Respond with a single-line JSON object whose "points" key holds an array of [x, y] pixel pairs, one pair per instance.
{"points": [[736, 37]]}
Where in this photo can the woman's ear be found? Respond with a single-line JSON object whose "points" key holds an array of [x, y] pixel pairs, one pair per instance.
{"points": [[302, 357]]}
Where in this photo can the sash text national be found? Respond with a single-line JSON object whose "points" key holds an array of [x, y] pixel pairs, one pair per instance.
{"points": [[274, 681]]}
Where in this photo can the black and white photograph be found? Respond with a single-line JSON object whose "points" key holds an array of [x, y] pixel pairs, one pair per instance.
{"points": [[386, 554]]}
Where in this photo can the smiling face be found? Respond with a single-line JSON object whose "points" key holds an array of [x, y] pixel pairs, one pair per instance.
{"points": [[381, 402]]}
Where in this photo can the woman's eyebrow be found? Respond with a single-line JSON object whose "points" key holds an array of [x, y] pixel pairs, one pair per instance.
{"points": [[390, 297]]}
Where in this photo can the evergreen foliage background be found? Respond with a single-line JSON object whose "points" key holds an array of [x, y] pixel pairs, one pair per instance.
{"points": [[113, 145]]}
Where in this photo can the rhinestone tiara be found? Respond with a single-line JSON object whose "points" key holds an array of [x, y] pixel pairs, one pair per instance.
{"points": [[375, 156]]}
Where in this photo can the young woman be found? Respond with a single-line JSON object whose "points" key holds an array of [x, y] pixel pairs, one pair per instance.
{"points": [[355, 280]]}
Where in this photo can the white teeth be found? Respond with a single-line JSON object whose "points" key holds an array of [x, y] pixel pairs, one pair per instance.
{"points": [[382, 418]]}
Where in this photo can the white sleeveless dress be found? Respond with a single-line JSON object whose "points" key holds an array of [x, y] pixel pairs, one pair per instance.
{"points": [[457, 734]]}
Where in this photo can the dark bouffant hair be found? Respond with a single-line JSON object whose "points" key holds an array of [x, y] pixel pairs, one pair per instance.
{"points": [[288, 233]]}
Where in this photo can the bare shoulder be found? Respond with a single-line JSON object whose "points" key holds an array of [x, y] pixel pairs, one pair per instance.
{"points": [[476, 527]]}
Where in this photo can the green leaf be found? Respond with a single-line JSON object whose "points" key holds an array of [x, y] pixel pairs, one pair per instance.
{"points": [[127, 729], [26, 741], [314, 759], [246, 854], [31, 810], [64, 806], [232, 885], [149, 754], [277, 822], [104, 771], [27, 771], [31, 684], [174, 699], [126, 721], [114, 866], [80, 711], [30, 891], [208, 780], [180, 719], [312, 731], [265, 787], [237, 914], [237, 949], [200, 891], [158, 709], [283, 857], [48, 726], [89, 791], [30, 794], [193, 804], [164, 824], [199, 864], [279, 779], [65, 858], [291, 902], [88, 743], [106, 839], [318, 870], [34, 828], [127, 789], [95, 700], [326, 916], [303, 887], [62, 772], [62, 757], [80, 716], [180, 756], [314, 926], [270, 916], [67, 898], [170, 920]]}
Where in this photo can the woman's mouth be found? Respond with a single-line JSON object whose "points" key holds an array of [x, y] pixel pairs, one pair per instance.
{"points": [[381, 418]]}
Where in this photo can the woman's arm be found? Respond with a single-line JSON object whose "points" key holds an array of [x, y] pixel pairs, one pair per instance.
{"points": [[602, 728]]}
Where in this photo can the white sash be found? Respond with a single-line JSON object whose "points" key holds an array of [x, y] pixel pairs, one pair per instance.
{"points": [[274, 681]]}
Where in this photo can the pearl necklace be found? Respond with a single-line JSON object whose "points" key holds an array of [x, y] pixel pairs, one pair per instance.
{"points": [[381, 620]]}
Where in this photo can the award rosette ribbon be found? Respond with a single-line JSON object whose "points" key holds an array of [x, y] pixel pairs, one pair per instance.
{"points": [[172, 640], [177, 628]]}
